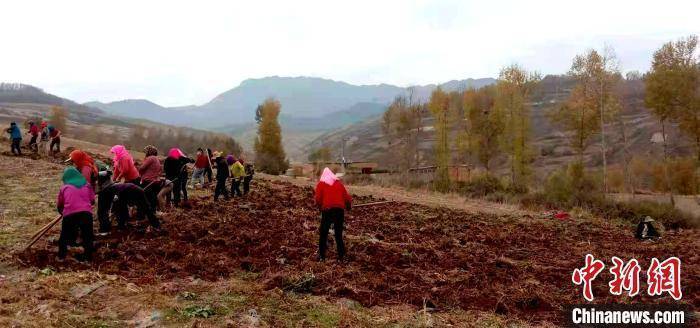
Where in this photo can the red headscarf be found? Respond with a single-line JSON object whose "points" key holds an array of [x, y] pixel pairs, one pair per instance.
{"points": [[80, 159]]}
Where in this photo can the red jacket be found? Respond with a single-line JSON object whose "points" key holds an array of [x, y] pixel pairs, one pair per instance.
{"points": [[126, 169], [334, 196], [202, 162]]}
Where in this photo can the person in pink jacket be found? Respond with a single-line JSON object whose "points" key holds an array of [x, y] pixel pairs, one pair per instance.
{"points": [[75, 201], [124, 167]]}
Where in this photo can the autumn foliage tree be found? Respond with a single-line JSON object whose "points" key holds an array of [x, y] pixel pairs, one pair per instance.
{"points": [[402, 125], [439, 106], [671, 91], [269, 153], [485, 124], [514, 88], [58, 118]]}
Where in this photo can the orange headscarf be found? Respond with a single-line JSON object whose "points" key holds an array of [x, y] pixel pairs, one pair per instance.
{"points": [[80, 159]]}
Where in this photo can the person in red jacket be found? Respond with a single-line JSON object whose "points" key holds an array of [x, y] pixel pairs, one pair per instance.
{"points": [[333, 199], [34, 131]]}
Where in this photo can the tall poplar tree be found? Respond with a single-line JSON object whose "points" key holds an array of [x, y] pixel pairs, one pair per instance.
{"points": [[514, 90], [269, 153]]}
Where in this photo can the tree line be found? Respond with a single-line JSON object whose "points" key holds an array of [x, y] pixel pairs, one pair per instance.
{"points": [[476, 126]]}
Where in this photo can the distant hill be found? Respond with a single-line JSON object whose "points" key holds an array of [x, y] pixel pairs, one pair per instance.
{"points": [[142, 109], [310, 106], [20, 103], [302, 98], [364, 141], [24, 93]]}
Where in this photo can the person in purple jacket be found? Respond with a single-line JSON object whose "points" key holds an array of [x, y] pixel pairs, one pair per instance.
{"points": [[75, 201]]}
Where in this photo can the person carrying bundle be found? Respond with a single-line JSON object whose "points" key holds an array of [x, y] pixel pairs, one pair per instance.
{"points": [[222, 174], [74, 203], [237, 174], [332, 199], [16, 139], [175, 167], [85, 165], [43, 138], [150, 171], [124, 167]]}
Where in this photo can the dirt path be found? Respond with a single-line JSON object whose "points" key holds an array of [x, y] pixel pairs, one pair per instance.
{"points": [[422, 197]]}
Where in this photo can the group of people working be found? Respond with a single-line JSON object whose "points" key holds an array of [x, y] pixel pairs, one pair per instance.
{"points": [[148, 188], [151, 186], [41, 136]]}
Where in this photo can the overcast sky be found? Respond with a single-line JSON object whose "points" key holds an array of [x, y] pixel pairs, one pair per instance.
{"points": [[187, 52]]}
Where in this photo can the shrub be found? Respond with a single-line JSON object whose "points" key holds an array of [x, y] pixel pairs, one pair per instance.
{"points": [[573, 188], [480, 186]]}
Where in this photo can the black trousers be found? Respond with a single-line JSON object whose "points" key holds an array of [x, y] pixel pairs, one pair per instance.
{"points": [[138, 199], [236, 188], [246, 184], [180, 189], [336, 217], [220, 189], [152, 188], [32, 144], [70, 226], [55, 142], [14, 147]]}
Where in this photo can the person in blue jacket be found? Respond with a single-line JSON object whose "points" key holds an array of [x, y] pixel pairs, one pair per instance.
{"points": [[16, 136]]}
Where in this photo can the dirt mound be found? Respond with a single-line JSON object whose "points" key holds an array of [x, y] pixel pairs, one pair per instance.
{"points": [[399, 253]]}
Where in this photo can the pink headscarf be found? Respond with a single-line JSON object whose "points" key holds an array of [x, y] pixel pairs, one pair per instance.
{"points": [[328, 177], [175, 153], [119, 152]]}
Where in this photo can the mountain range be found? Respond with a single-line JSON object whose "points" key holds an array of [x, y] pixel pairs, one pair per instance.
{"points": [[305, 101]]}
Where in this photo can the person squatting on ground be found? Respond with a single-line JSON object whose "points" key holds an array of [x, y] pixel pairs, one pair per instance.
{"points": [[175, 167], [34, 132], [16, 139], [150, 171], [124, 167], [249, 172], [237, 174], [333, 199], [118, 197], [222, 174], [55, 137], [85, 165], [200, 168], [75, 201]]}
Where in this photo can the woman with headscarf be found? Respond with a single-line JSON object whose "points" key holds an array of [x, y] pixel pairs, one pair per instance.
{"points": [[151, 171], [85, 165], [124, 167], [332, 199], [75, 200], [175, 167]]}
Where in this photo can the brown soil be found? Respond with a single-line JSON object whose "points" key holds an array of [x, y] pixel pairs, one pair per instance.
{"points": [[400, 253]]}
